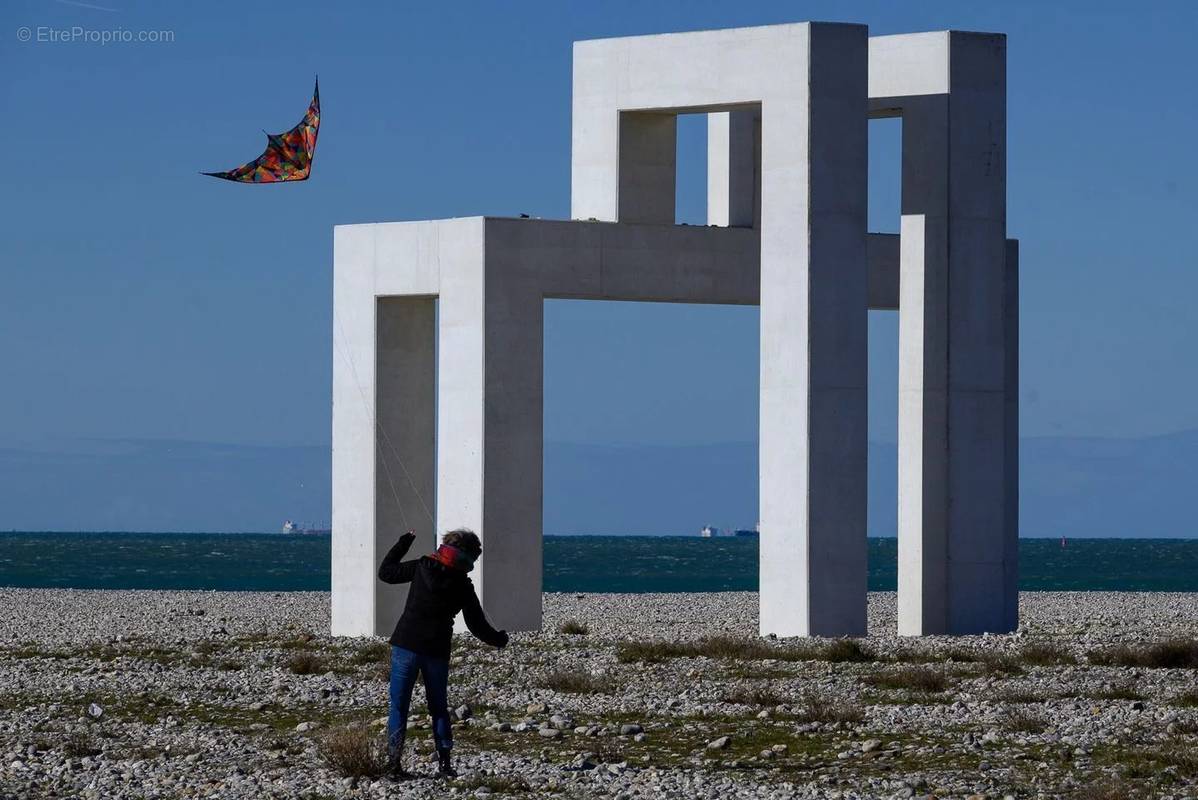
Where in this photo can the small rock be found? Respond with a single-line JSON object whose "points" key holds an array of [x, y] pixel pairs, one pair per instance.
{"points": [[550, 733], [536, 708], [582, 764], [630, 729], [719, 744], [304, 727], [462, 712], [95, 711], [870, 745]]}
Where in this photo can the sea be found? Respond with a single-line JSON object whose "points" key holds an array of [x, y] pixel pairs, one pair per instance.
{"points": [[300, 562]]}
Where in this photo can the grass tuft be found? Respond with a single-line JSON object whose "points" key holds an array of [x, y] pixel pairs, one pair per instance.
{"points": [[495, 784], [845, 651], [1021, 721], [78, 744], [925, 680], [354, 752], [1121, 692], [1045, 654], [305, 663], [753, 696], [823, 711], [1167, 654], [372, 653], [992, 662], [736, 648], [651, 652], [1106, 790], [569, 682], [574, 628], [1017, 696]]}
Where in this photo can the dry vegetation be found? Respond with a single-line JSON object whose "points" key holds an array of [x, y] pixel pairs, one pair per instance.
{"points": [[354, 751]]}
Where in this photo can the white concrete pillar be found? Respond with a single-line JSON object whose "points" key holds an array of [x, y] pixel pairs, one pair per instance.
{"points": [[353, 492], [509, 573], [734, 168], [813, 340], [405, 437], [648, 167], [922, 429], [1011, 455], [953, 575], [460, 393]]}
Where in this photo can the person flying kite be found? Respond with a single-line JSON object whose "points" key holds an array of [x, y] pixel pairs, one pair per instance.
{"points": [[288, 156]]}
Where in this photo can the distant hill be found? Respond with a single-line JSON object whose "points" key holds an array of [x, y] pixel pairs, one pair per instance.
{"points": [[1070, 486], [1077, 487]]}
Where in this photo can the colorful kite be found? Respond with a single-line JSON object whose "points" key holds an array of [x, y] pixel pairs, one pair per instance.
{"points": [[288, 156]]}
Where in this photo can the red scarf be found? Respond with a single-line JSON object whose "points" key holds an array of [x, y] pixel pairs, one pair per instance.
{"points": [[453, 558]]}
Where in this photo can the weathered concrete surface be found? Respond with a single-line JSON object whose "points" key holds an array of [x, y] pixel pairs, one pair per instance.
{"points": [[808, 82], [786, 176], [955, 567]]}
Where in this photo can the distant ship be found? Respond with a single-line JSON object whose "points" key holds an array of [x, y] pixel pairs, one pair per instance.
{"points": [[295, 527], [712, 532]]}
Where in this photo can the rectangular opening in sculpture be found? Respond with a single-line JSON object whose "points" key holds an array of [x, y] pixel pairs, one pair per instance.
{"points": [[690, 185], [626, 452], [405, 407], [885, 174]]}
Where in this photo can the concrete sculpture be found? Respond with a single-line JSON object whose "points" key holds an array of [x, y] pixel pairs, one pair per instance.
{"points": [[439, 323]]}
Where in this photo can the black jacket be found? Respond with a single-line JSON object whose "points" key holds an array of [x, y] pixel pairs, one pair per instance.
{"points": [[436, 596]]}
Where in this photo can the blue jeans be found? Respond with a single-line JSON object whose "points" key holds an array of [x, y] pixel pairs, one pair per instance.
{"points": [[404, 667]]}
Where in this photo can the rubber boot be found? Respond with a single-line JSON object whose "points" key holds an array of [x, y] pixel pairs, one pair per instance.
{"points": [[395, 769], [444, 765]]}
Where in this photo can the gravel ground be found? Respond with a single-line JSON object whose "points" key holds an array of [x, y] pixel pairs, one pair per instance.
{"points": [[122, 694]]}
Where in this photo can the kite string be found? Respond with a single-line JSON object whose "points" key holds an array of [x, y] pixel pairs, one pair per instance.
{"points": [[373, 413]]}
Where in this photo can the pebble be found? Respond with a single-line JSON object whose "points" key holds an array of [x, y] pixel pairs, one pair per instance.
{"points": [[159, 732]]}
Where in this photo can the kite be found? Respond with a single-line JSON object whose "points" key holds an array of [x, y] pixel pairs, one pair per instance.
{"points": [[288, 156]]}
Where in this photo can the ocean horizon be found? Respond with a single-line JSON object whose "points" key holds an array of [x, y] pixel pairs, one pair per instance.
{"points": [[571, 563]]}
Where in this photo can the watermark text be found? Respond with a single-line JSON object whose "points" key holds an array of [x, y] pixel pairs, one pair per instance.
{"points": [[77, 34]]}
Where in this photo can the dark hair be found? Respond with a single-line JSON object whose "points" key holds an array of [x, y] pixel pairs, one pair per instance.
{"points": [[465, 540]]}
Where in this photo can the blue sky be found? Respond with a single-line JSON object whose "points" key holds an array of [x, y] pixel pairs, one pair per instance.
{"points": [[139, 299]]}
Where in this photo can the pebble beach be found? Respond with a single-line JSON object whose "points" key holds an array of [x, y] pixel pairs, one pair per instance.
{"points": [[171, 694]]}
